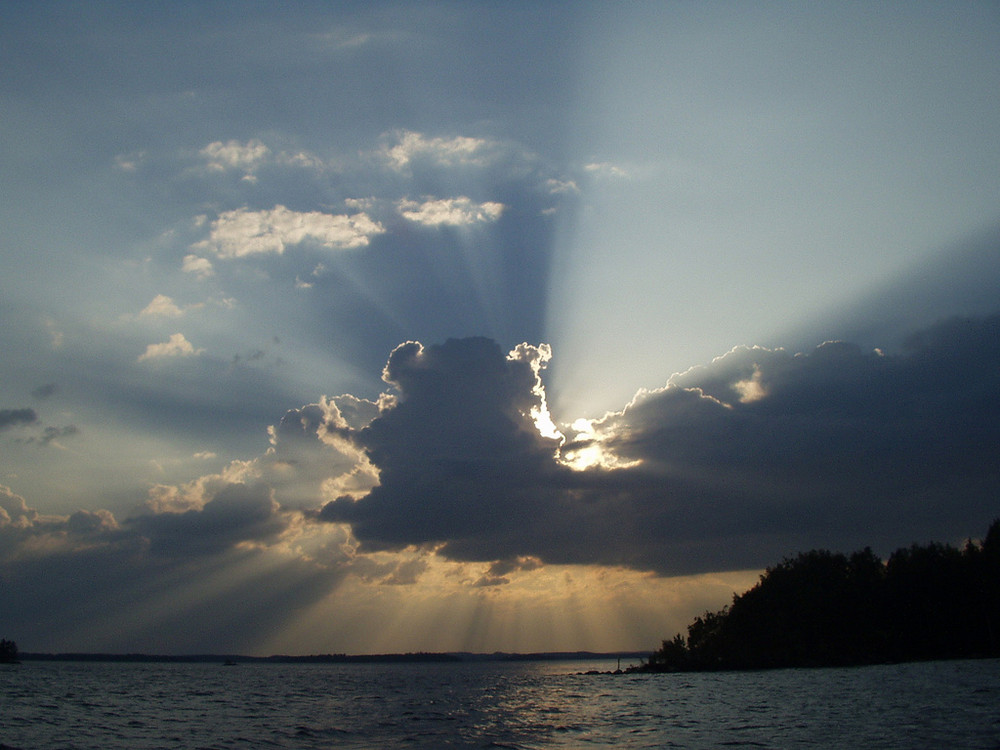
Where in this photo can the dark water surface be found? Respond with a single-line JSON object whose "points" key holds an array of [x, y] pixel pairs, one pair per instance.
{"points": [[953, 704]]}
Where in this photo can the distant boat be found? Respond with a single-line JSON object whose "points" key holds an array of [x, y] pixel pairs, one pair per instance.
{"points": [[229, 663]]}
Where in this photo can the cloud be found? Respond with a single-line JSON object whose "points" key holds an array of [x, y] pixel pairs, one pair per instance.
{"points": [[200, 267], [556, 186], [309, 460], [236, 513], [496, 574], [10, 418], [459, 455], [729, 466], [235, 155], [403, 147], [162, 305], [44, 391], [51, 435], [176, 346], [342, 39], [215, 515], [249, 157], [604, 170], [130, 162], [88, 581], [14, 511], [26, 534], [15, 417], [241, 232], [455, 479], [459, 211], [56, 334]]}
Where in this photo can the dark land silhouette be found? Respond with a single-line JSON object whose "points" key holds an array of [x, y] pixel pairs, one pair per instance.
{"points": [[400, 658], [828, 609]]}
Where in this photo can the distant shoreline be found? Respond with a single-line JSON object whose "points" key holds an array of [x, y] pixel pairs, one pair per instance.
{"points": [[415, 657]]}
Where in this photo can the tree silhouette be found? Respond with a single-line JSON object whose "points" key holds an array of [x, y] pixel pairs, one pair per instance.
{"points": [[821, 608]]}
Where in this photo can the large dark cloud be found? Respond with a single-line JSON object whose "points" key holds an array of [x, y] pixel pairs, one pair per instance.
{"points": [[769, 452], [732, 465], [459, 455]]}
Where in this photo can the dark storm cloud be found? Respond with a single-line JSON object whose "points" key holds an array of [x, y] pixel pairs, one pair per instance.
{"points": [[458, 455], [732, 465], [14, 417]]}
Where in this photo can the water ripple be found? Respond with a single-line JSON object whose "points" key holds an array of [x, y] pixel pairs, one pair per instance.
{"points": [[521, 706]]}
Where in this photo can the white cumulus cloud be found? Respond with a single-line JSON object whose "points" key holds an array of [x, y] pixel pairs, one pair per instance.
{"points": [[177, 346], [162, 305], [252, 155], [459, 150], [200, 267], [235, 155], [241, 232], [459, 211]]}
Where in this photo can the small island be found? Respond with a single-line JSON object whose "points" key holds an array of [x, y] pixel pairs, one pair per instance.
{"points": [[822, 609]]}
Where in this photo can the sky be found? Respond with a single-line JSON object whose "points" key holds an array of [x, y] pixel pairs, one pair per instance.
{"points": [[446, 326]]}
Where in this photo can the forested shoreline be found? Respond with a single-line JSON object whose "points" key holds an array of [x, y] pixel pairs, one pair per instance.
{"points": [[821, 608]]}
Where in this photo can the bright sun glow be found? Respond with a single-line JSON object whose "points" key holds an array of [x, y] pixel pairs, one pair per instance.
{"points": [[587, 451]]}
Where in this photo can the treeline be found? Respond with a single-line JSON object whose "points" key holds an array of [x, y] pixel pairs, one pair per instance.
{"points": [[827, 609]]}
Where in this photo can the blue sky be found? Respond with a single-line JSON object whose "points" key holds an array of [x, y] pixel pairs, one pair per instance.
{"points": [[605, 231]]}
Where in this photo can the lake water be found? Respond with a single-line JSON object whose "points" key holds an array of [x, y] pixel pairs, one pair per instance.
{"points": [[954, 704]]}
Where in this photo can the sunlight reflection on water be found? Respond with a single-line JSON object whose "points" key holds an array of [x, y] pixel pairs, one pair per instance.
{"points": [[480, 705]]}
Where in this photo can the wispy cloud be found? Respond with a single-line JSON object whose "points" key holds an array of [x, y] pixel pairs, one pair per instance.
{"points": [[130, 162], [341, 39], [45, 391], [606, 169], [51, 435]]}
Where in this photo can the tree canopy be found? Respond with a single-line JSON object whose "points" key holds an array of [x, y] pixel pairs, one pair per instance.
{"points": [[821, 608]]}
